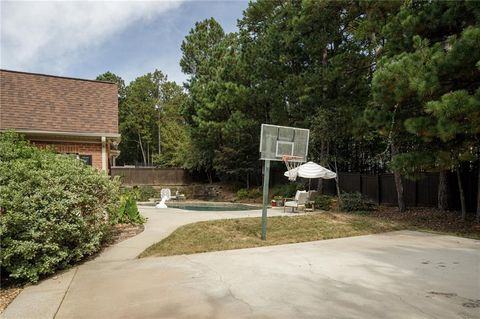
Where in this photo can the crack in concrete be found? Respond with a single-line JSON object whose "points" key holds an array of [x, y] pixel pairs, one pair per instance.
{"points": [[225, 283], [65, 294], [413, 306]]}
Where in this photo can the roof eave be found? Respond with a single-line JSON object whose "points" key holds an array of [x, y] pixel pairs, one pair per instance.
{"points": [[60, 133]]}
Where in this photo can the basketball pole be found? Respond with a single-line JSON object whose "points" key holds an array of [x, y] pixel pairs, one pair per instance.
{"points": [[266, 179]]}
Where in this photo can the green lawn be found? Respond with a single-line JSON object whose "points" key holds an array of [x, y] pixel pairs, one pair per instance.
{"points": [[245, 232]]}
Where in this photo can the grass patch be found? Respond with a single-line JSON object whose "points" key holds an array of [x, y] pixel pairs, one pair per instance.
{"points": [[245, 232]]}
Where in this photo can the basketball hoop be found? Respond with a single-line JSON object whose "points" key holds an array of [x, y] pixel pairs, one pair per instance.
{"points": [[292, 162], [281, 143]]}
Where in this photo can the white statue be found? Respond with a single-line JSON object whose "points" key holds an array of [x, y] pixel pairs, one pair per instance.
{"points": [[165, 195]]}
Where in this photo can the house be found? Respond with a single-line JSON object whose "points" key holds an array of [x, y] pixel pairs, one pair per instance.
{"points": [[74, 116]]}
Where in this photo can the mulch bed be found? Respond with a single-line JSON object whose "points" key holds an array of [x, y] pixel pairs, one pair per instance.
{"points": [[431, 219], [119, 233], [7, 295]]}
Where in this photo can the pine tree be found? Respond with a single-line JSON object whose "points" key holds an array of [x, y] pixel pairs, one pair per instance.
{"points": [[430, 50]]}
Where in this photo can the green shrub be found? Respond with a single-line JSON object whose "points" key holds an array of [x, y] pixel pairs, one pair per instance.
{"points": [[242, 193], [127, 212], [255, 193], [144, 193], [252, 193], [287, 190], [54, 209], [354, 202], [323, 202]]}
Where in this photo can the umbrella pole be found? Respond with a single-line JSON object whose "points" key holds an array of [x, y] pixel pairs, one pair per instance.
{"points": [[309, 182]]}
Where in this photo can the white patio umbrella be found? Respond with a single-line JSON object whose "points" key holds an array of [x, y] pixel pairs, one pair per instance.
{"points": [[312, 170]]}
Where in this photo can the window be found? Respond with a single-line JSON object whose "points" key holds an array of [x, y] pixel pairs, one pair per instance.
{"points": [[73, 155], [87, 159]]}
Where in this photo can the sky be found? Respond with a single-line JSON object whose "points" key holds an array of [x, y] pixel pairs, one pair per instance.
{"points": [[86, 38]]}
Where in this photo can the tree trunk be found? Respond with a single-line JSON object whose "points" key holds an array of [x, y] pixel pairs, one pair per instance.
{"points": [[337, 184], [324, 97], [399, 187], [478, 195], [462, 195], [248, 180], [442, 190], [320, 180], [320, 186], [210, 178], [398, 184], [143, 151], [148, 153]]}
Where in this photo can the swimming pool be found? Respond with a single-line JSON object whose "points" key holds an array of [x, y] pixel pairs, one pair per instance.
{"points": [[198, 206]]}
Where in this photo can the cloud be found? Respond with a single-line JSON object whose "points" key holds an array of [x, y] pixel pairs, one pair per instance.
{"points": [[50, 36]]}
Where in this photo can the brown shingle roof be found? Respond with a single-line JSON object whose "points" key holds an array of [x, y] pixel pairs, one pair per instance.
{"points": [[41, 102]]}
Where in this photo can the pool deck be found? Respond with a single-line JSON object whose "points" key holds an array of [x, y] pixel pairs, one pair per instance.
{"points": [[176, 203], [218, 206]]}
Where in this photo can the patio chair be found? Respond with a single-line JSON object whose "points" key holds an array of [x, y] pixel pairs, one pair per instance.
{"points": [[299, 201], [179, 196]]}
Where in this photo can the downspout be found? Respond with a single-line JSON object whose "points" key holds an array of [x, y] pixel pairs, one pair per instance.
{"points": [[104, 154]]}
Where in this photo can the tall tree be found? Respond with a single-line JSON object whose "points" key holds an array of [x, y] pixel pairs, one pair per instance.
{"points": [[197, 47], [306, 68], [152, 103], [174, 140], [223, 133], [127, 152], [456, 119], [199, 55], [418, 66]]}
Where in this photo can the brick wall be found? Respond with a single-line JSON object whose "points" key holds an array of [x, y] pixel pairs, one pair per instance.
{"points": [[94, 149]]}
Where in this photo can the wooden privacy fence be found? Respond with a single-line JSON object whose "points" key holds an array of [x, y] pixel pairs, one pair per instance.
{"points": [[421, 192], [381, 188], [151, 175]]}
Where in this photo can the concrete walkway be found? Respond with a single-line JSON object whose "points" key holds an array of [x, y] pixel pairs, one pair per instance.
{"points": [[394, 275]]}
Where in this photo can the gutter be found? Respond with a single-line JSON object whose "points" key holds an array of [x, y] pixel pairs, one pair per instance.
{"points": [[58, 133]]}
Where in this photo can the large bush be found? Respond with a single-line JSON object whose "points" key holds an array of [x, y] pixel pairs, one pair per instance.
{"points": [[54, 209], [144, 193], [252, 193], [323, 202], [287, 190], [354, 202]]}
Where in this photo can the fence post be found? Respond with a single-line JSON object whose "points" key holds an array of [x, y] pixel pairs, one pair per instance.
{"points": [[360, 179], [379, 189], [416, 193]]}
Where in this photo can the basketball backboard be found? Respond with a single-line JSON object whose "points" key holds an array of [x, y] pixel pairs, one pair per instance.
{"points": [[279, 141]]}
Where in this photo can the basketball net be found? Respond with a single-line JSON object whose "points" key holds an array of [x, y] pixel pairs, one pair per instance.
{"points": [[292, 162]]}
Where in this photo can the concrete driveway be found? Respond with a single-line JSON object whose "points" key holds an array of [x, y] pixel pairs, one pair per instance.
{"points": [[394, 275]]}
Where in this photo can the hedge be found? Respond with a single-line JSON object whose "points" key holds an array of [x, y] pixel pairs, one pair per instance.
{"points": [[54, 209]]}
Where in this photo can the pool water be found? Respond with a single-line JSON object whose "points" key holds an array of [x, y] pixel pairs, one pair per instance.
{"points": [[212, 206]]}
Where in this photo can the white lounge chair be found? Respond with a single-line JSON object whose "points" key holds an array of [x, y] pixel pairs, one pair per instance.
{"points": [[299, 201], [177, 196]]}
